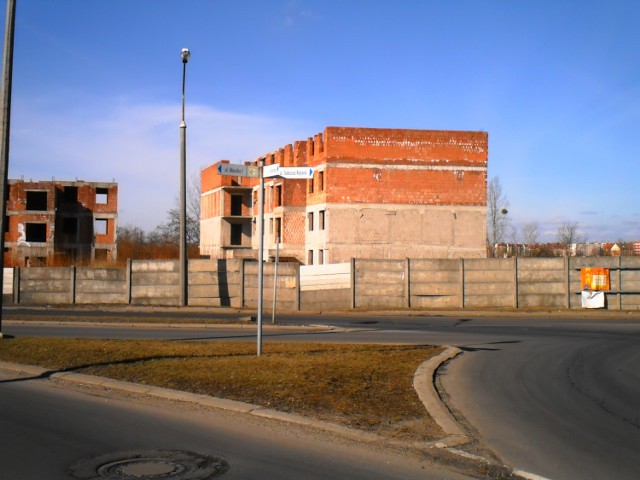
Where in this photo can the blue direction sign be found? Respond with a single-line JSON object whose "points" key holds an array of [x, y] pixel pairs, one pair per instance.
{"points": [[295, 172], [236, 170]]}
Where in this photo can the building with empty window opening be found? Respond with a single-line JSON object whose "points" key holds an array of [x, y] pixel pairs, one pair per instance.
{"points": [[375, 193], [60, 222]]}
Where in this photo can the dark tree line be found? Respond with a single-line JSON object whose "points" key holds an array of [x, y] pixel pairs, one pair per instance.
{"points": [[163, 241]]}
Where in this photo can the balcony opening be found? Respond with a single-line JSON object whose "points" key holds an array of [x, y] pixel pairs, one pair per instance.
{"points": [[278, 229], [236, 234], [236, 205]]}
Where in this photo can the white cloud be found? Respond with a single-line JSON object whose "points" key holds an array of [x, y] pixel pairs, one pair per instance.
{"points": [[135, 144]]}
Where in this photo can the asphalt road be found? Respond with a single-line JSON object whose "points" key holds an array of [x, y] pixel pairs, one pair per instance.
{"points": [[45, 429], [563, 407], [558, 397]]}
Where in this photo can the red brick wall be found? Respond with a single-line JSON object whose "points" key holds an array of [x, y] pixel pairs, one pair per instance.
{"points": [[415, 187], [414, 147], [293, 228]]}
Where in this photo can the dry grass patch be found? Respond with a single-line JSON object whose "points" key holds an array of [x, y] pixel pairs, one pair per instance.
{"points": [[364, 386]]}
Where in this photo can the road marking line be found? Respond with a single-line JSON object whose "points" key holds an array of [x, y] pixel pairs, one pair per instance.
{"points": [[529, 476]]}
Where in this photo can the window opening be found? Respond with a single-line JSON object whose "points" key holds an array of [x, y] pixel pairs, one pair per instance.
{"points": [[70, 225], [36, 200], [36, 232], [310, 258], [321, 220], [310, 221], [35, 261], [70, 194], [278, 198], [102, 196], [101, 226]]}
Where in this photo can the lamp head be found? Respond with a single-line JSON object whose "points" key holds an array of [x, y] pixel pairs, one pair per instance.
{"points": [[185, 54]]}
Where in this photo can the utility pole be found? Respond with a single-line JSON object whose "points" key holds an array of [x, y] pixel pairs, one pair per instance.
{"points": [[260, 254], [5, 126], [184, 262]]}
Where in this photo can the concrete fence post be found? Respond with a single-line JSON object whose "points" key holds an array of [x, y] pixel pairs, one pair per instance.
{"points": [[407, 282], [567, 275], [353, 283], [515, 282], [128, 274], [462, 283], [72, 285], [242, 273], [298, 289], [620, 282], [16, 285]]}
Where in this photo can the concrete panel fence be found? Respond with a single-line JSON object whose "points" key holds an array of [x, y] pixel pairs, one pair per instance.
{"points": [[362, 283]]}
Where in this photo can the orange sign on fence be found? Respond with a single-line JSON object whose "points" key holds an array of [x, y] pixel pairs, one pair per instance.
{"points": [[595, 278]]}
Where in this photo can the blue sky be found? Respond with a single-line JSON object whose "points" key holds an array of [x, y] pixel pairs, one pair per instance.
{"points": [[556, 84]]}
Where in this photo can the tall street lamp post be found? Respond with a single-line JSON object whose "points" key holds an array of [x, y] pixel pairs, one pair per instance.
{"points": [[5, 121], [185, 54]]}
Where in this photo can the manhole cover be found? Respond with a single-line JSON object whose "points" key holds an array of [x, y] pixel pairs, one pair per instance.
{"points": [[150, 465]]}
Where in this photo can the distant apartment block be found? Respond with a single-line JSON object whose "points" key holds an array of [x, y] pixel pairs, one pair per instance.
{"points": [[375, 193], [53, 222]]}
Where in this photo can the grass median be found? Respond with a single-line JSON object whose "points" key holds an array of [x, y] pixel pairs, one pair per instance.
{"points": [[369, 387]]}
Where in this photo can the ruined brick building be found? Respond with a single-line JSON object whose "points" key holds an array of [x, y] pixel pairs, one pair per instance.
{"points": [[55, 222], [375, 193]]}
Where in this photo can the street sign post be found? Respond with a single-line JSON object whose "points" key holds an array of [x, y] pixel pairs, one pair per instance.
{"points": [[272, 170], [295, 172], [263, 171], [237, 170]]}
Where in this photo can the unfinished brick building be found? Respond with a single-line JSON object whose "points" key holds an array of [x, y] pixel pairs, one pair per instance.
{"points": [[375, 193], [59, 222]]}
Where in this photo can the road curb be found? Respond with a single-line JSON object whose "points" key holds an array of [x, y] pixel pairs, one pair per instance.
{"points": [[424, 385]]}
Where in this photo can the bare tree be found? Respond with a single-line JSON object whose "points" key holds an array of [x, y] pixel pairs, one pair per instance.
{"points": [[498, 220], [568, 234], [530, 233], [169, 231], [132, 242]]}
